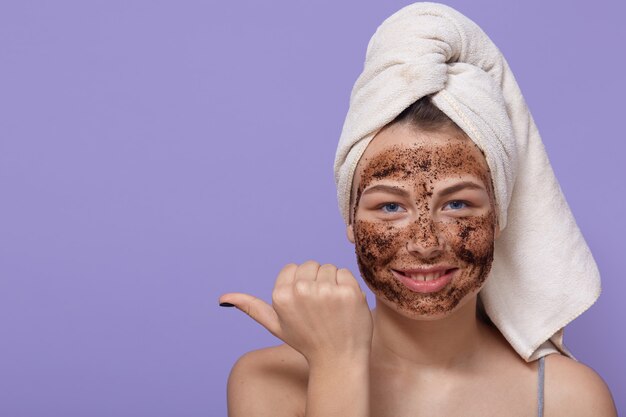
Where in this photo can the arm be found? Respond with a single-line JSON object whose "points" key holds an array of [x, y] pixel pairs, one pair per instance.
{"points": [[322, 313], [272, 382], [339, 389]]}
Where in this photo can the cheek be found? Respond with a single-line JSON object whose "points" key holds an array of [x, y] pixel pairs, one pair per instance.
{"points": [[376, 243], [471, 239]]}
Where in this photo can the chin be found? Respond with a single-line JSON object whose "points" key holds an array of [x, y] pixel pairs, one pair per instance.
{"points": [[427, 309]]}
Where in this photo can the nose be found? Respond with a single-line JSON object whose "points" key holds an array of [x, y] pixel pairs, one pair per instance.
{"points": [[424, 241]]}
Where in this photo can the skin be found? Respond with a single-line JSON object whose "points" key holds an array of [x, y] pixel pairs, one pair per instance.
{"points": [[425, 227], [414, 354]]}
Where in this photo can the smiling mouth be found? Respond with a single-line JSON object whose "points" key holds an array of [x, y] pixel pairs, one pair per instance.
{"points": [[425, 275]]}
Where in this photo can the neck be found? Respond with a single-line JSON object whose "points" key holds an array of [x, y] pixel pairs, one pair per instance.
{"points": [[453, 341]]}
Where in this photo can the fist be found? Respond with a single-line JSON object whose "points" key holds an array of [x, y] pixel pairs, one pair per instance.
{"points": [[318, 310]]}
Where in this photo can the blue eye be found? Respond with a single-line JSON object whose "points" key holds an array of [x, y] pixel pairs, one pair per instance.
{"points": [[391, 207], [457, 205]]}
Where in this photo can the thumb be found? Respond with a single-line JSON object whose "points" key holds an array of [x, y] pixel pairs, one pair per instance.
{"points": [[259, 310]]}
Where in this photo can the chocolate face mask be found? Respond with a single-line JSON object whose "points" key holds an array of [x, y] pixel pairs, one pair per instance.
{"points": [[430, 225]]}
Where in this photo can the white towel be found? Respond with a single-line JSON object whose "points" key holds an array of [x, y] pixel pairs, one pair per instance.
{"points": [[543, 275]]}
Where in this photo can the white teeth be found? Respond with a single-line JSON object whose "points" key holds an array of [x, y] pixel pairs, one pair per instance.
{"points": [[427, 277]]}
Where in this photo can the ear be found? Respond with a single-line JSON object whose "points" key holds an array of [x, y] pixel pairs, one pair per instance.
{"points": [[350, 233]]}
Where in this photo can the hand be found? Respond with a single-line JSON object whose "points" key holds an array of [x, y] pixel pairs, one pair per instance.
{"points": [[318, 310]]}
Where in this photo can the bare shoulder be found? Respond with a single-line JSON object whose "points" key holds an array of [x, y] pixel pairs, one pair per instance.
{"points": [[574, 389], [268, 382]]}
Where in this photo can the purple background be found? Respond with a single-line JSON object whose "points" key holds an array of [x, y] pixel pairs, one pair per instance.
{"points": [[156, 154]]}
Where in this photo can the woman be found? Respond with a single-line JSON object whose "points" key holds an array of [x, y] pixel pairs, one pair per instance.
{"points": [[438, 171]]}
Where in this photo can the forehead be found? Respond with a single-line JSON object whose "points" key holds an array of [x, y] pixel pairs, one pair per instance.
{"points": [[401, 151]]}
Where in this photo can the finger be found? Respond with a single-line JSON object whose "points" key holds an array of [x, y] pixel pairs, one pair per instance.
{"points": [[327, 273], [307, 271], [345, 277], [286, 275], [259, 310]]}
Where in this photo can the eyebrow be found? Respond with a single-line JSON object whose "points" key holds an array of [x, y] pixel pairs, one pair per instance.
{"points": [[387, 189], [445, 192], [460, 186]]}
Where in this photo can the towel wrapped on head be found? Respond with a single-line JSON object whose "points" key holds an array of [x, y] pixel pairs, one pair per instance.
{"points": [[543, 274]]}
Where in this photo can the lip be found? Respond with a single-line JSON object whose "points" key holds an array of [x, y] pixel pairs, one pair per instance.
{"points": [[432, 269], [425, 286]]}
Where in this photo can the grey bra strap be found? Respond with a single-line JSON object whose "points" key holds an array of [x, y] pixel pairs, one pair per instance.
{"points": [[540, 390]]}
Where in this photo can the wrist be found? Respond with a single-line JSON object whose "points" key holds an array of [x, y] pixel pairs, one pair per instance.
{"points": [[358, 359], [339, 386]]}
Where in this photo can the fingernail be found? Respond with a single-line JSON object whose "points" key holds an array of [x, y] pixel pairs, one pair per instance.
{"points": [[226, 305]]}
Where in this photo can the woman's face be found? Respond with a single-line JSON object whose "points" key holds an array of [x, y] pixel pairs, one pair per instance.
{"points": [[424, 220]]}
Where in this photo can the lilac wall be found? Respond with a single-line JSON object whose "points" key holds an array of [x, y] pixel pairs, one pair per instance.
{"points": [[155, 154]]}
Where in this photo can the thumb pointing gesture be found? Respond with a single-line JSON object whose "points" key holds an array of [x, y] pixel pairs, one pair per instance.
{"points": [[259, 310], [318, 310]]}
